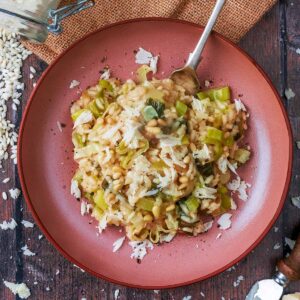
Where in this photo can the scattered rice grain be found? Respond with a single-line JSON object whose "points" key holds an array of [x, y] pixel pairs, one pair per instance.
{"points": [[14, 193], [4, 196], [116, 294], [19, 289], [32, 69], [289, 94], [12, 55], [59, 126], [6, 180], [74, 83]]}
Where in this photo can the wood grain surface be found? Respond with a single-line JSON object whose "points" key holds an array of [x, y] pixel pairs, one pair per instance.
{"points": [[272, 43]]}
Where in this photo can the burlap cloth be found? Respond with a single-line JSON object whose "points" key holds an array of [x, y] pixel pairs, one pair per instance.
{"points": [[237, 17]]}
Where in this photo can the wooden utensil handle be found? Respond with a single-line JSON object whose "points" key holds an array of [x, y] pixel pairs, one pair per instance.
{"points": [[290, 266]]}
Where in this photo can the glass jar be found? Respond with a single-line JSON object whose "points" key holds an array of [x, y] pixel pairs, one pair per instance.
{"points": [[34, 19]]}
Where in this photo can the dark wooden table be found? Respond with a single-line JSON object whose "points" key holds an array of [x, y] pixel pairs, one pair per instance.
{"points": [[272, 43]]}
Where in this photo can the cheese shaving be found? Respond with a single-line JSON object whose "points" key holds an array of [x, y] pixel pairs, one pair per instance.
{"points": [[85, 117], [74, 83], [208, 225], [111, 132], [202, 154], [140, 249], [75, 191], [14, 193], [205, 192], [239, 105], [167, 237], [106, 74], [240, 186], [118, 243], [224, 221], [144, 57]]}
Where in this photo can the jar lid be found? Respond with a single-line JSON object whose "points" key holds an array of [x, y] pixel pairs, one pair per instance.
{"points": [[24, 25], [34, 28]]}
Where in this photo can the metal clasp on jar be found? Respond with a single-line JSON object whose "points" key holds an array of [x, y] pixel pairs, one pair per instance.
{"points": [[57, 15]]}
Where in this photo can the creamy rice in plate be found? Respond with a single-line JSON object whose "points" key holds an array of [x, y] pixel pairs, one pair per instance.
{"points": [[155, 160]]}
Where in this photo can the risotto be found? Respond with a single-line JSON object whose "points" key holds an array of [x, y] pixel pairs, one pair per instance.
{"points": [[155, 160]]}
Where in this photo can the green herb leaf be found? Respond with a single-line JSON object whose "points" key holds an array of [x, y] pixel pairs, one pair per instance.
{"points": [[157, 105], [149, 113]]}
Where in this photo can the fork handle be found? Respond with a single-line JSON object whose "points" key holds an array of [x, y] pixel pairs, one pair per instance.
{"points": [[290, 266], [194, 58]]}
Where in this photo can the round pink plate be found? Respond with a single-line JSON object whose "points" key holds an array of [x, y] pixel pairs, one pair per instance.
{"points": [[46, 165]]}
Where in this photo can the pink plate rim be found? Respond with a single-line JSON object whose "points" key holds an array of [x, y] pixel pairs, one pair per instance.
{"points": [[44, 229]]}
